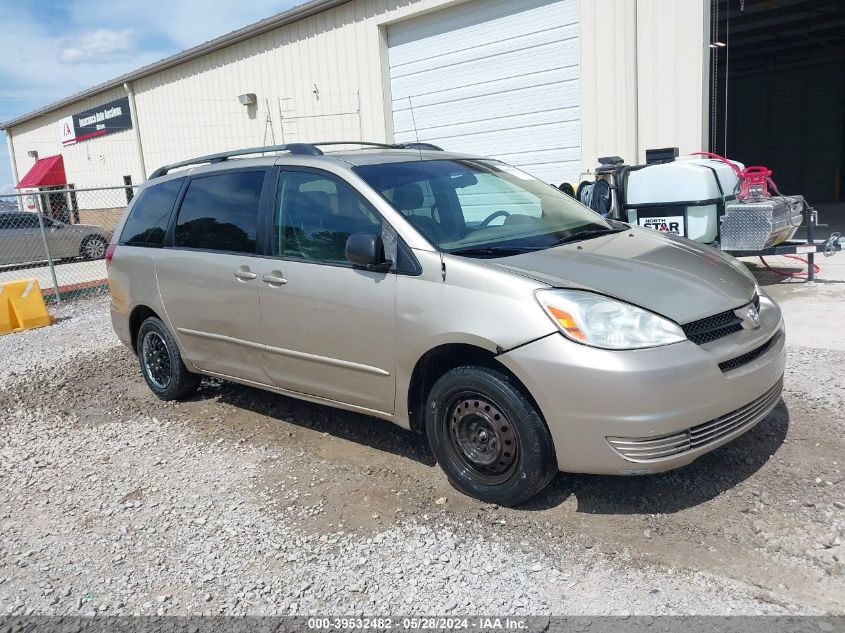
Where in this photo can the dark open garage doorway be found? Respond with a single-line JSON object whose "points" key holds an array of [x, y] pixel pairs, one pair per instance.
{"points": [[778, 93]]}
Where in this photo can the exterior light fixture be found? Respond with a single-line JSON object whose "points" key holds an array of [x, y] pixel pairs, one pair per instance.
{"points": [[33, 154], [247, 99]]}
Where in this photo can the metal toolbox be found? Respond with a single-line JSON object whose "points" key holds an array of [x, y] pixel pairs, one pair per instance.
{"points": [[759, 223]]}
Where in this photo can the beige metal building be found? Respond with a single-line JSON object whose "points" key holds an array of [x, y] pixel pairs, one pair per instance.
{"points": [[545, 84]]}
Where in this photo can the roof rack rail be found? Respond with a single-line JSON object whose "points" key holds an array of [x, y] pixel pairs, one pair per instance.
{"points": [[421, 145], [383, 145], [305, 149], [364, 143]]}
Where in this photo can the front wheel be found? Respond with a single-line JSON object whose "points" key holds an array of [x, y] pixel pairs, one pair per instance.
{"points": [[161, 362], [487, 436]]}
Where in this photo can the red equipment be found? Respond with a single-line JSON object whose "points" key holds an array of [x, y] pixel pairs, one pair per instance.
{"points": [[754, 180]]}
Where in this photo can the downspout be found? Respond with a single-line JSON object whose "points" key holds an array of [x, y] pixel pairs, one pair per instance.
{"points": [[637, 84], [133, 112], [11, 147]]}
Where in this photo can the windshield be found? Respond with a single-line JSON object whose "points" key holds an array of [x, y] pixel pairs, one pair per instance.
{"points": [[481, 207]]}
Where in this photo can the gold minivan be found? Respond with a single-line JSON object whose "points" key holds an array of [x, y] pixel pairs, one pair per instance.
{"points": [[453, 295]]}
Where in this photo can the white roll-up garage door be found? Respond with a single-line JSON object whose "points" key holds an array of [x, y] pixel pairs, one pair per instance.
{"points": [[494, 78]]}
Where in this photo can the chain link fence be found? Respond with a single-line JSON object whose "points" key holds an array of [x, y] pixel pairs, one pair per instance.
{"points": [[59, 237]]}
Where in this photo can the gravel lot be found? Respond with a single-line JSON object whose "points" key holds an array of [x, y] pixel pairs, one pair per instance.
{"points": [[240, 501]]}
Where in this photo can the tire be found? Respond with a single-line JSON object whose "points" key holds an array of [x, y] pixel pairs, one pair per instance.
{"points": [[473, 416], [93, 247], [161, 362]]}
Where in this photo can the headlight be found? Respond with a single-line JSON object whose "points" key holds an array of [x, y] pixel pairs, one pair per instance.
{"points": [[598, 321]]}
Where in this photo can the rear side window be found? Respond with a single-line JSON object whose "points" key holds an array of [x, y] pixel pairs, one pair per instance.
{"points": [[13, 221], [148, 219], [220, 212], [9, 221]]}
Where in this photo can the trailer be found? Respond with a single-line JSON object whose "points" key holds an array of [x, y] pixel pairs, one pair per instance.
{"points": [[709, 199]]}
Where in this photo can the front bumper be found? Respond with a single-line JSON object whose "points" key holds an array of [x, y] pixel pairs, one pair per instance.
{"points": [[651, 410]]}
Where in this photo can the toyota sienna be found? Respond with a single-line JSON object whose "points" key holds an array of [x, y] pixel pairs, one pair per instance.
{"points": [[453, 295]]}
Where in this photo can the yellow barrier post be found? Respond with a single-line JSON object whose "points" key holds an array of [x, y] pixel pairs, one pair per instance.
{"points": [[22, 306]]}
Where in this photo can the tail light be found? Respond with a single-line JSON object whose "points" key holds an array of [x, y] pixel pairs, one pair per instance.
{"points": [[110, 253]]}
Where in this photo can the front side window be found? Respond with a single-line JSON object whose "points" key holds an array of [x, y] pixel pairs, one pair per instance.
{"points": [[470, 206], [150, 215], [315, 215], [220, 212], [28, 221]]}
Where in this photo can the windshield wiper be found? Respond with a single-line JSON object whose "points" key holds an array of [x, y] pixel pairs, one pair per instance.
{"points": [[585, 235], [505, 251], [492, 251]]}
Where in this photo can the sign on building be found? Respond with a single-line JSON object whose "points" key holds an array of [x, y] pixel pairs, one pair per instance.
{"points": [[106, 119]]}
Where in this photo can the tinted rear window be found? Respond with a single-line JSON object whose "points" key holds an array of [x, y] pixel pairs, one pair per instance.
{"points": [[27, 221], [220, 212], [147, 222], [9, 221]]}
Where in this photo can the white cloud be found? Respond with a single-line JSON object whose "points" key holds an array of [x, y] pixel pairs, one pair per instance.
{"points": [[100, 46], [187, 22], [30, 59], [47, 66]]}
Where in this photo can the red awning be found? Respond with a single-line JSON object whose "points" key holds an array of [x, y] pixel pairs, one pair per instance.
{"points": [[46, 172]]}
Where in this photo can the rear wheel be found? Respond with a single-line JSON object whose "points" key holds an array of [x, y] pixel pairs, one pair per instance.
{"points": [[161, 362], [93, 247], [487, 436]]}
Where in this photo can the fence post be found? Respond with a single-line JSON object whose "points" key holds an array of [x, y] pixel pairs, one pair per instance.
{"points": [[130, 192], [49, 256], [74, 205]]}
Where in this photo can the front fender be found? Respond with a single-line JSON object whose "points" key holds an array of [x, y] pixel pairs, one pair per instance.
{"points": [[476, 305]]}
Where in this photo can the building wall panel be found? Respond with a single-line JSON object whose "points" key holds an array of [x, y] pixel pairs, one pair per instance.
{"points": [[672, 71], [608, 81]]}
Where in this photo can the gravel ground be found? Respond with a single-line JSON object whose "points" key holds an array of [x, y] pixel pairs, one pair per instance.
{"points": [[81, 327], [239, 501]]}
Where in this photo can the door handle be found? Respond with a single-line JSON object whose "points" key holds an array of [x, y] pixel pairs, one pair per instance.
{"points": [[245, 274], [274, 278]]}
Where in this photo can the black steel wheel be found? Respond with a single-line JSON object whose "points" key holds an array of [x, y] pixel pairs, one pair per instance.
{"points": [[487, 436], [161, 362], [482, 436]]}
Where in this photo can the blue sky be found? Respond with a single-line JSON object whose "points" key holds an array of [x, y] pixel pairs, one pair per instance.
{"points": [[50, 49]]}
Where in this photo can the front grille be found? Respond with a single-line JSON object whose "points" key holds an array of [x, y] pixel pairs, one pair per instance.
{"points": [[646, 449], [746, 358], [712, 327]]}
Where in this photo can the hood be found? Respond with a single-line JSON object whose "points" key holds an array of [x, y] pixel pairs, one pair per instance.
{"points": [[671, 276]]}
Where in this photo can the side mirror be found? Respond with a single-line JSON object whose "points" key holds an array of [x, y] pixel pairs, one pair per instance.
{"points": [[367, 249]]}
